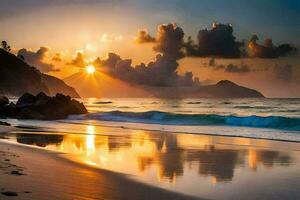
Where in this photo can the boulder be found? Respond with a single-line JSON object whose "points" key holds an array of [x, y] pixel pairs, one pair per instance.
{"points": [[28, 113], [41, 99], [4, 100], [43, 107], [26, 100], [4, 124]]}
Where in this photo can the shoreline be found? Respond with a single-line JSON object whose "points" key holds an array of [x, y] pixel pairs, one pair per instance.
{"points": [[164, 130], [184, 132]]}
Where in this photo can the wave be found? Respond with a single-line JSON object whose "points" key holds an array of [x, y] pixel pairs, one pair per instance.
{"points": [[165, 118]]}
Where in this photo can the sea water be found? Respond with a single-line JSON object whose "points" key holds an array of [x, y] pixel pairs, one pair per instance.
{"points": [[178, 144], [277, 119]]}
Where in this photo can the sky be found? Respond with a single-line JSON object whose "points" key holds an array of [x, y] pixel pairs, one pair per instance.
{"points": [[96, 27]]}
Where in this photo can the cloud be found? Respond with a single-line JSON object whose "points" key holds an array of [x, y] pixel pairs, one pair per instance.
{"points": [[105, 38], [78, 60], [169, 41], [231, 68], [284, 72], [38, 58], [219, 41], [144, 37], [268, 49], [161, 72], [57, 57]]}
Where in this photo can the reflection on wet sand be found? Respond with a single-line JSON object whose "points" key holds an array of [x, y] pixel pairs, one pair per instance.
{"points": [[39, 140], [166, 155]]}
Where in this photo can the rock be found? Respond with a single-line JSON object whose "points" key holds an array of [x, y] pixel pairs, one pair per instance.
{"points": [[4, 100], [44, 107], [4, 124], [29, 113], [8, 110], [26, 100], [11, 194], [41, 99], [15, 172]]}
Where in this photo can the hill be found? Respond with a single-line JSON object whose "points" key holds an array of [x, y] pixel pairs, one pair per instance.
{"points": [[17, 78]]}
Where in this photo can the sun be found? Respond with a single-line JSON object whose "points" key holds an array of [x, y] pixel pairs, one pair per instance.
{"points": [[90, 69]]}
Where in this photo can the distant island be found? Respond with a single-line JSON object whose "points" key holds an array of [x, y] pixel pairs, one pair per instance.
{"points": [[222, 89], [17, 78]]}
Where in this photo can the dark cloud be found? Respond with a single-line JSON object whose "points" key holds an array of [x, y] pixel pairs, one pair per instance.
{"points": [[219, 41], [144, 37], [37, 59], [284, 72], [231, 68], [169, 41], [161, 72], [268, 49], [78, 61]]}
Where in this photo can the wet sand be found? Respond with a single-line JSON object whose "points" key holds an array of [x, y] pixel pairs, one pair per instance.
{"points": [[31, 173]]}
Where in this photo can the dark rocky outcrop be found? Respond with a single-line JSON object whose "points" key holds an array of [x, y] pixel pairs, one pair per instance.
{"points": [[3, 100], [42, 107], [17, 77], [4, 124]]}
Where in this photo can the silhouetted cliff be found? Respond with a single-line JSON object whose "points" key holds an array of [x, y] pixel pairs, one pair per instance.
{"points": [[17, 78]]}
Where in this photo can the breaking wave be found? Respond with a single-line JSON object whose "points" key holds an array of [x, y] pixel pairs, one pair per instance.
{"points": [[166, 118]]}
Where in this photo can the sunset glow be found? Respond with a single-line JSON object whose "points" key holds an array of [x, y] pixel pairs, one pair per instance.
{"points": [[90, 69], [175, 100]]}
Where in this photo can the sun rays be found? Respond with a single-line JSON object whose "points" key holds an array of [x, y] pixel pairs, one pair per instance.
{"points": [[90, 69]]}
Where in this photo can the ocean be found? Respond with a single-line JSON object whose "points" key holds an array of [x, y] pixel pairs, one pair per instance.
{"points": [[179, 144], [277, 119]]}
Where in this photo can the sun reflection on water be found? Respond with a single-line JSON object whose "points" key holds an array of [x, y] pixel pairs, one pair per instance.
{"points": [[162, 157], [90, 140]]}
